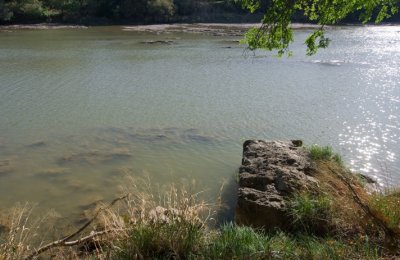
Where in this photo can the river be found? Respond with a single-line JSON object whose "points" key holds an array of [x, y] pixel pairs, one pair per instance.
{"points": [[82, 108]]}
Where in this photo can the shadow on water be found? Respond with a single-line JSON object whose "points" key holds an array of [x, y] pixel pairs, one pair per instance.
{"points": [[226, 212]]}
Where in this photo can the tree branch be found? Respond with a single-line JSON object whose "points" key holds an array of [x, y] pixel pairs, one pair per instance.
{"points": [[64, 241], [387, 230]]}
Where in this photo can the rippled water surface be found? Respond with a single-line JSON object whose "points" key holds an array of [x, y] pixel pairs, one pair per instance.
{"points": [[81, 108]]}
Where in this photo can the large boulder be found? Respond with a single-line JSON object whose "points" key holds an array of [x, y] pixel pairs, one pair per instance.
{"points": [[271, 172]]}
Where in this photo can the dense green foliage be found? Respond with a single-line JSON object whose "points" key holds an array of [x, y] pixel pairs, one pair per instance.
{"points": [[276, 32], [140, 11]]}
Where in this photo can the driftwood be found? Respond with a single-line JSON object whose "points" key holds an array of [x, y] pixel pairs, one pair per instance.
{"points": [[65, 241]]}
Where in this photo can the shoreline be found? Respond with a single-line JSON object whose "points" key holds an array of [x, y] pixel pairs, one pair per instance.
{"points": [[214, 29], [43, 26], [175, 27], [308, 205]]}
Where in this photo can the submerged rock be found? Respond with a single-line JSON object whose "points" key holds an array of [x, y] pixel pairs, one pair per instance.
{"points": [[166, 42], [5, 167], [52, 172], [94, 157], [4, 221], [4, 229], [170, 135], [88, 209], [271, 172], [37, 144]]}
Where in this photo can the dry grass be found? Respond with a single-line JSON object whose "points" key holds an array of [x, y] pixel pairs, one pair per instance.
{"points": [[15, 242], [150, 221], [25, 230], [345, 212], [356, 213], [166, 223]]}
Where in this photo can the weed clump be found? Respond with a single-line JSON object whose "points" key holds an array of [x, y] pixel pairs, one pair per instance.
{"points": [[310, 213], [233, 241], [387, 208], [324, 153]]}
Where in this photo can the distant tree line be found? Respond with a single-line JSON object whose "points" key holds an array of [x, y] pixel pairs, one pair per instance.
{"points": [[132, 11], [108, 11]]}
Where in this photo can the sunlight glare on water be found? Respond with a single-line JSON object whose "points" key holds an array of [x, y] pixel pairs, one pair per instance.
{"points": [[373, 141]]}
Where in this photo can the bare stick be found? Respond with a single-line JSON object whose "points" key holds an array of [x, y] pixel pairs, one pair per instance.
{"points": [[64, 241], [91, 236], [388, 231]]}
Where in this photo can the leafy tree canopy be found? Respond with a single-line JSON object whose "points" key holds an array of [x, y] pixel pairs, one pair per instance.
{"points": [[137, 11], [276, 32]]}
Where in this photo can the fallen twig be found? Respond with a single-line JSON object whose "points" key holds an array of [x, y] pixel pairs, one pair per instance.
{"points": [[64, 241], [390, 233]]}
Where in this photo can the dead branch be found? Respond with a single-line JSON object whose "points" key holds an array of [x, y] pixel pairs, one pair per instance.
{"points": [[64, 241], [90, 237], [387, 230]]}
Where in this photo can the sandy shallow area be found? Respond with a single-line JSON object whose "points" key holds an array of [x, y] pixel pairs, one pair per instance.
{"points": [[212, 28], [41, 26]]}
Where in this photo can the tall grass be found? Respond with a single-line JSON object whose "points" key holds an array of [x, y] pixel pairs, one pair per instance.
{"points": [[387, 208], [146, 224], [25, 230], [170, 223], [310, 213], [324, 153], [15, 243], [233, 241]]}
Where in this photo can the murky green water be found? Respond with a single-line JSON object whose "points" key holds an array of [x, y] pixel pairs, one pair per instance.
{"points": [[80, 108]]}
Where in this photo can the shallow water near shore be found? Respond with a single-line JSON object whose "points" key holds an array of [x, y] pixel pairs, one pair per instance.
{"points": [[82, 108]]}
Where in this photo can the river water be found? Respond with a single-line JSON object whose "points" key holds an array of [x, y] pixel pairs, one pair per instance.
{"points": [[81, 108]]}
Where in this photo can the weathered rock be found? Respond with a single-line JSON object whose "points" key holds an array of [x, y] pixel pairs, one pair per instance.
{"points": [[163, 215], [271, 172]]}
